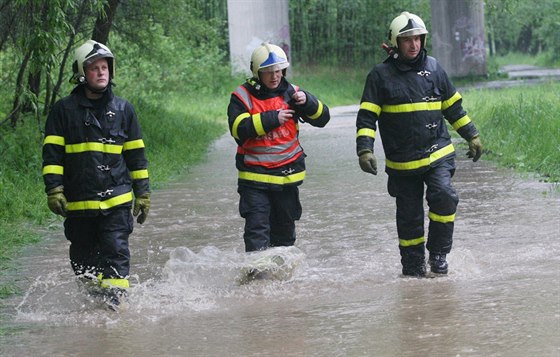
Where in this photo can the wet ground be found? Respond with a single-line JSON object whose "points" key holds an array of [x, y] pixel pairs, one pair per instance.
{"points": [[343, 296]]}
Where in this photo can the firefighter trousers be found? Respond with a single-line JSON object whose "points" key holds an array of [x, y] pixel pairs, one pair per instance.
{"points": [[99, 244], [442, 202], [270, 216]]}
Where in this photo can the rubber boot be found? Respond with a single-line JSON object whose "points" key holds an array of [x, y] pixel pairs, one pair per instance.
{"points": [[438, 263], [413, 261]]}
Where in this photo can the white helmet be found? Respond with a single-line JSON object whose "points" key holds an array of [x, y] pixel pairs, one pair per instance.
{"points": [[88, 53], [268, 57], [405, 25]]}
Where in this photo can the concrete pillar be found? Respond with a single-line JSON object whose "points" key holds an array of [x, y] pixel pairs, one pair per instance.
{"points": [[457, 36], [252, 22]]}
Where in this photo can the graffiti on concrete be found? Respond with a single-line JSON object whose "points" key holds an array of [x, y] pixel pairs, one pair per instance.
{"points": [[470, 40]]}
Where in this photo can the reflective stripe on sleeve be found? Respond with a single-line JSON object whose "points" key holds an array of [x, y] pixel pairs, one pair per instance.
{"points": [[447, 103], [54, 139], [236, 123], [371, 107], [134, 144], [53, 169], [461, 122], [366, 132], [139, 174], [319, 111]]}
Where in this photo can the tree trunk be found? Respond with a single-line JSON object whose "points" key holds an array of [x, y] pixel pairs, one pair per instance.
{"points": [[16, 107], [103, 24], [52, 97]]}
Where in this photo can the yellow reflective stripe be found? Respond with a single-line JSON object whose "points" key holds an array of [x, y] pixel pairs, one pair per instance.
{"points": [[370, 107], [112, 202], [366, 132], [54, 139], [411, 107], [134, 144], [53, 169], [461, 122], [278, 180], [139, 174], [319, 111], [113, 283], [411, 242], [83, 147], [447, 103], [236, 123], [442, 219], [412, 165], [257, 122]]}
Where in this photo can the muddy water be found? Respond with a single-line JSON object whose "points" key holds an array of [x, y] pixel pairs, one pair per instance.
{"points": [[343, 295]]}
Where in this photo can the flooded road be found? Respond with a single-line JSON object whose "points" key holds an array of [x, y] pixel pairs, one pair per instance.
{"points": [[343, 296]]}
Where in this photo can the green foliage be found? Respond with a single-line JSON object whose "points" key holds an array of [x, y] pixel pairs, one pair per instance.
{"points": [[524, 27], [519, 126], [332, 32]]}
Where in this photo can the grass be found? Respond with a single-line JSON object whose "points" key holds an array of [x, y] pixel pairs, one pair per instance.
{"points": [[520, 127]]}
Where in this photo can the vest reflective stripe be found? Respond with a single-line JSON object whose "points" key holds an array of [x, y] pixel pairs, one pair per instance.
{"points": [[412, 107], [83, 147], [95, 205], [411, 242], [260, 155], [416, 164], [279, 146], [441, 219], [278, 180], [53, 169], [244, 96]]}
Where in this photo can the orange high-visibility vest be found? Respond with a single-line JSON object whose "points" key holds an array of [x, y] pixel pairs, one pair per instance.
{"points": [[278, 147]]}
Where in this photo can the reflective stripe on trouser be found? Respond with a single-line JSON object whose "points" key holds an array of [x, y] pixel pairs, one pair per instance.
{"points": [[99, 244], [442, 202], [270, 216]]}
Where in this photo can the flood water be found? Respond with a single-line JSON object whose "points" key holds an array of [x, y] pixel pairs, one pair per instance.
{"points": [[344, 295]]}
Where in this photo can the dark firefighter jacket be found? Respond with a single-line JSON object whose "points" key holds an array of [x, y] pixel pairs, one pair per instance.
{"points": [[97, 157], [269, 155], [410, 101]]}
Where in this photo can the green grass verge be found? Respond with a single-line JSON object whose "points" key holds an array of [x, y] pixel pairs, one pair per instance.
{"points": [[520, 127]]}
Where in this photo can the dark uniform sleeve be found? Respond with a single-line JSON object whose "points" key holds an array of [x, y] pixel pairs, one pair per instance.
{"points": [[453, 111], [313, 111], [366, 121], [243, 125], [53, 148], [134, 154]]}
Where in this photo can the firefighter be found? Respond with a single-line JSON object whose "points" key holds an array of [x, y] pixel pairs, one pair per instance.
{"points": [[94, 168], [408, 96], [264, 115]]}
